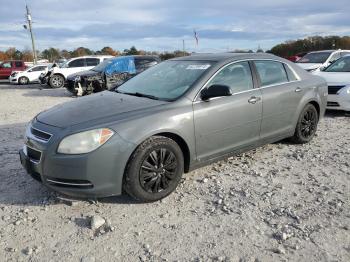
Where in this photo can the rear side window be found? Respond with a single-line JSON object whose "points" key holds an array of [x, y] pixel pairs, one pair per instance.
{"points": [[144, 63], [237, 76], [290, 73], [271, 72], [77, 63], [92, 61], [18, 64]]}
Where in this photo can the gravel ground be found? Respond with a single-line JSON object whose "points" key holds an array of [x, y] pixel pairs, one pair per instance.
{"points": [[281, 202]]}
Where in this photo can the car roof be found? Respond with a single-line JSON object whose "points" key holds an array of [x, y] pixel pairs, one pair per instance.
{"points": [[220, 57]]}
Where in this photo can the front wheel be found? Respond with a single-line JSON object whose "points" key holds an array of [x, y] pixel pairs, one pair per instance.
{"points": [[23, 80], [56, 81], [154, 170], [306, 126]]}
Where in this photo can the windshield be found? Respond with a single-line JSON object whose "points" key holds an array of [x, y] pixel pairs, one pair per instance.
{"points": [[317, 58], [341, 65], [101, 67], [166, 81]]}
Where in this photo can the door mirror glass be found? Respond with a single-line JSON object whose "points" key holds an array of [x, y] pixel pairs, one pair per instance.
{"points": [[215, 91]]}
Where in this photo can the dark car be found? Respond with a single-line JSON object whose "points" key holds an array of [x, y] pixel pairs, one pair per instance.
{"points": [[172, 118], [109, 74]]}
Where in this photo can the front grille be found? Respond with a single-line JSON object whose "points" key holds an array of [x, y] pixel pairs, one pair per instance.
{"points": [[332, 104], [71, 183], [333, 90], [41, 135], [34, 155]]}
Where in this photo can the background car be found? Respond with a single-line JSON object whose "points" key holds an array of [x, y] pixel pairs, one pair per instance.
{"points": [[172, 118], [337, 76], [28, 76], [58, 74], [320, 59], [7, 67], [296, 57], [109, 74]]}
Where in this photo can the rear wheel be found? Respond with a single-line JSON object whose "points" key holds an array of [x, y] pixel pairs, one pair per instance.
{"points": [[307, 125], [154, 170], [23, 80], [56, 81]]}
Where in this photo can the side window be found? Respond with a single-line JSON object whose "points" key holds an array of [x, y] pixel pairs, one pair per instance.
{"points": [[92, 61], [38, 68], [6, 65], [237, 76], [290, 73], [18, 64], [271, 72], [334, 57], [77, 63]]}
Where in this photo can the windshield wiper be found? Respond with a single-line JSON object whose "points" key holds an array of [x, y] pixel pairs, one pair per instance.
{"points": [[138, 94]]}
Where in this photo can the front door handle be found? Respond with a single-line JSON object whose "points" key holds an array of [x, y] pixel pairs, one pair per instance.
{"points": [[254, 99], [298, 90]]}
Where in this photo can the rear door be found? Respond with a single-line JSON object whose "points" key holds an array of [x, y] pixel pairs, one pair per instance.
{"points": [[225, 124], [281, 93]]}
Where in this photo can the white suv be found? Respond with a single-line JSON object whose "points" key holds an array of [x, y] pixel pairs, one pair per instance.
{"points": [[58, 75], [320, 59]]}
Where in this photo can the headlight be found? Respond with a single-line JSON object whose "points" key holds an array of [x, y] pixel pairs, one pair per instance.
{"points": [[84, 142], [77, 78]]}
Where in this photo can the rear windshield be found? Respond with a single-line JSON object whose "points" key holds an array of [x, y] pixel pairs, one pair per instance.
{"points": [[317, 58]]}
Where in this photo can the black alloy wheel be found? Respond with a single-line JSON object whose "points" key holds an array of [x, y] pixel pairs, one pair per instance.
{"points": [[154, 169], [309, 123], [158, 170]]}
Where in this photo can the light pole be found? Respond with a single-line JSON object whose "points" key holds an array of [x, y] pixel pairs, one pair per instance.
{"points": [[29, 19]]}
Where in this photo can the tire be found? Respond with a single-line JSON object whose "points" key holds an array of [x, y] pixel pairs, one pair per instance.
{"points": [[148, 181], [23, 80], [56, 81], [307, 125]]}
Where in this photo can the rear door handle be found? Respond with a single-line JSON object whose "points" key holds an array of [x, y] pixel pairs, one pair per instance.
{"points": [[254, 99], [298, 90]]}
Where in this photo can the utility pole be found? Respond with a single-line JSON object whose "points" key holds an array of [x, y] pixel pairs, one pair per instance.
{"points": [[183, 46], [29, 19]]}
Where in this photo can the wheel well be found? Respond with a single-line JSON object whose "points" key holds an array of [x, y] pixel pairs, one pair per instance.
{"points": [[317, 106], [183, 145]]}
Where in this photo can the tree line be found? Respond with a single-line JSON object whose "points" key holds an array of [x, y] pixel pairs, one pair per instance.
{"points": [[53, 54], [314, 43]]}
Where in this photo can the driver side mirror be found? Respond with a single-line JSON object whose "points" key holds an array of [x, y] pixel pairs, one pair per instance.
{"points": [[215, 91]]}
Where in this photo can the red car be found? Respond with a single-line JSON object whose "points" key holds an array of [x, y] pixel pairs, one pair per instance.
{"points": [[296, 57], [7, 67]]}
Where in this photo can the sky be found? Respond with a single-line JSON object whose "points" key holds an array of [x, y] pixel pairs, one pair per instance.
{"points": [[162, 25]]}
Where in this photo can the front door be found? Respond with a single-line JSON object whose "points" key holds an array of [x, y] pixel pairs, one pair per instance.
{"points": [[226, 124]]}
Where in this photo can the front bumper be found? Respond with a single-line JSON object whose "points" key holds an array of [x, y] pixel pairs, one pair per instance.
{"points": [[339, 101], [13, 80], [96, 174]]}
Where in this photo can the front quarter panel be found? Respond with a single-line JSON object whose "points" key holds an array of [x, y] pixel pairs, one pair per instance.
{"points": [[176, 118]]}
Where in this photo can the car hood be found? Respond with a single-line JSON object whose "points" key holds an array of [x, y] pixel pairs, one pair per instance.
{"points": [[105, 105], [335, 78], [86, 73], [309, 66]]}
